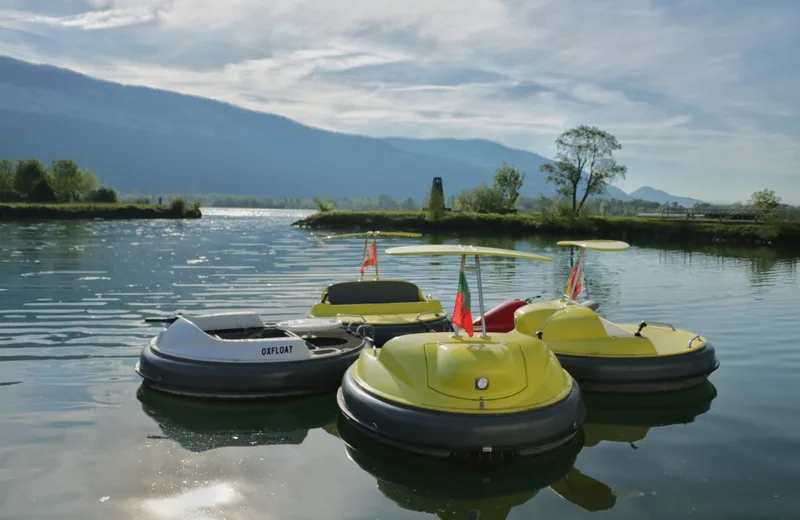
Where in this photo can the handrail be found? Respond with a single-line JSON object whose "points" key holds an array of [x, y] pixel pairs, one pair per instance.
{"points": [[660, 324], [692, 340], [435, 313]]}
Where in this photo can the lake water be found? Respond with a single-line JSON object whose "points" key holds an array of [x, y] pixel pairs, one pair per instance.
{"points": [[79, 440]]}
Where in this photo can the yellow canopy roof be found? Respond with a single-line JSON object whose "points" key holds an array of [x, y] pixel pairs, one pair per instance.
{"points": [[375, 233], [597, 245], [459, 249]]}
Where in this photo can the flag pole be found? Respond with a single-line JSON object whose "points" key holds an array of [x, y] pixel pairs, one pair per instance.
{"points": [[375, 243], [364, 254], [480, 294]]}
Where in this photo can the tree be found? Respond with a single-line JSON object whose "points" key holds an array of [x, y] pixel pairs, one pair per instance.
{"points": [[68, 181], [483, 198], [6, 179], [28, 175], [580, 149], [765, 199], [42, 192], [89, 182], [508, 181], [104, 194]]}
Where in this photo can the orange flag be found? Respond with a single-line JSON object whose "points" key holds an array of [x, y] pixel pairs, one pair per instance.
{"points": [[369, 257], [574, 287]]}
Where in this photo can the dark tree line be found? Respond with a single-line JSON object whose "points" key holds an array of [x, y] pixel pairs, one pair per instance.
{"points": [[63, 182]]}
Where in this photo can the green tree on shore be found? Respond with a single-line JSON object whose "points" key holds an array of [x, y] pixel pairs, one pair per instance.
{"points": [[29, 173], [508, 181], [765, 199], [503, 194], [584, 149], [6, 178]]}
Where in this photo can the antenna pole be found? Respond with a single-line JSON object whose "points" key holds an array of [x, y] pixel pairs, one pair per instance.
{"points": [[480, 295], [375, 242], [364, 254]]}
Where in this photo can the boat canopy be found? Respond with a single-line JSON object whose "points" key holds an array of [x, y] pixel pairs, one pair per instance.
{"points": [[597, 245], [464, 250]]}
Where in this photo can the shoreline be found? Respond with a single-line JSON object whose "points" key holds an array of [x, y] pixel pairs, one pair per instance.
{"points": [[90, 211], [635, 230]]}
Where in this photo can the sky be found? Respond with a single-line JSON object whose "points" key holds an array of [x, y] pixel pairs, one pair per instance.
{"points": [[703, 95]]}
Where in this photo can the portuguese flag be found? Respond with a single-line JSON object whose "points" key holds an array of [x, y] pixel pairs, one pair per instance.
{"points": [[462, 316]]}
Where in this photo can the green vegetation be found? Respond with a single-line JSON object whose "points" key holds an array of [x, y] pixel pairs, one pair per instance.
{"points": [[579, 149], [31, 190], [501, 197], [85, 210], [636, 230], [323, 206], [63, 182]]}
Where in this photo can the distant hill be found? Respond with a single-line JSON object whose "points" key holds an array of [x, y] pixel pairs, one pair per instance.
{"points": [[654, 195], [140, 139]]}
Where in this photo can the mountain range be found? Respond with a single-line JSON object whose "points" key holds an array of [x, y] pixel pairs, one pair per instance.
{"points": [[154, 141]]}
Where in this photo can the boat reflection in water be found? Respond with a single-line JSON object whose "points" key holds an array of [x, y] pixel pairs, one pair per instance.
{"points": [[628, 418], [202, 425], [488, 488]]}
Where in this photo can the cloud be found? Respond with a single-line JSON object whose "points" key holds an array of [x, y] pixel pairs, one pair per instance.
{"points": [[706, 88]]}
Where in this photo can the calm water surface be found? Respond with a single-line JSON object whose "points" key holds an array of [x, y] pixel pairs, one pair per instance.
{"points": [[79, 439]]}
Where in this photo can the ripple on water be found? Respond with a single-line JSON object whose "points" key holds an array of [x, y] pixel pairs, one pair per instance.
{"points": [[72, 431]]}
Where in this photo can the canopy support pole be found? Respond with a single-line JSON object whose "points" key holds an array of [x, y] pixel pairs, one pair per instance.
{"points": [[375, 243], [480, 295], [364, 254]]}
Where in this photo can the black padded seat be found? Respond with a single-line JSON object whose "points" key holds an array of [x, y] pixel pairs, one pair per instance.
{"points": [[379, 291]]}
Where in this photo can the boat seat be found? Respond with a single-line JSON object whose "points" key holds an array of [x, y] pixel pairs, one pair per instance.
{"points": [[379, 291]]}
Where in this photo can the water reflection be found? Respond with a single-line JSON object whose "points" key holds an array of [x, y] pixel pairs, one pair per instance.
{"points": [[202, 425], [627, 418], [468, 489], [487, 488]]}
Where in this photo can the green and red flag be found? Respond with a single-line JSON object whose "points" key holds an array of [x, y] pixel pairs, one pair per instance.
{"points": [[462, 316]]}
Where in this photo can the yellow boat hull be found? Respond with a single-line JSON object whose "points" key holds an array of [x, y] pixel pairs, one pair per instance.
{"points": [[438, 394], [608, 357]]}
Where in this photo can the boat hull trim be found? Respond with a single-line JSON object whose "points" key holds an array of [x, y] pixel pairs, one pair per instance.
{"points": [[641, 374]]}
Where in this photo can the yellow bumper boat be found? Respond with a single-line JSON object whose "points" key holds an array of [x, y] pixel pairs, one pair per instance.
{"points": [[607, 357], [386, 308], [445, 393]]}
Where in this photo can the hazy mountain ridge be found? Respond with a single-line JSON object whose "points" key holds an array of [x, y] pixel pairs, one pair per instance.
{"points": [[150, 140]]}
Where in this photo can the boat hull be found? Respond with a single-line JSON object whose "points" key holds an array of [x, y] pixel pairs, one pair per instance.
{"points": [[641, 374], [442, 434], [189, 377]]}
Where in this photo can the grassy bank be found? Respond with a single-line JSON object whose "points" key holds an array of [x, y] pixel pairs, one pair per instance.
{"points": [[124, 211], [636, 230]]}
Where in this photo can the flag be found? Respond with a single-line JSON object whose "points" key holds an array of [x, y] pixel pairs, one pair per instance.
{"points": [[370, 255], [574, 286], [462, 316]]}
